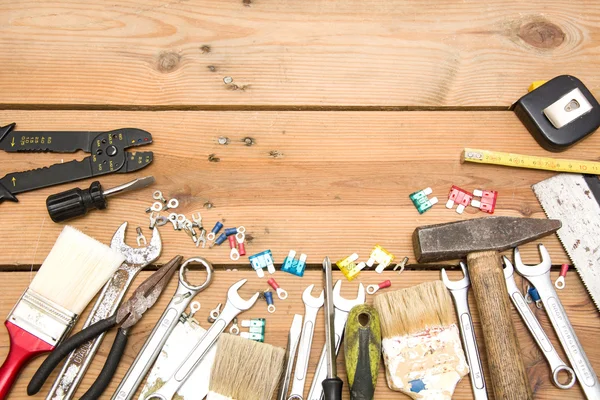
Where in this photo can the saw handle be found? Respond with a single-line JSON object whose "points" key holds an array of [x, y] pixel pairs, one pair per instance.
{"points": [[507, 371]]}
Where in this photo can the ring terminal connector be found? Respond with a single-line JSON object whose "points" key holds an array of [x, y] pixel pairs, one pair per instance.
{"points": [[240, 237], [459, 196], [213, 232], [372, 289], [560, 281], [282, 294], [535, 297], [268, 295], [234, 254]]}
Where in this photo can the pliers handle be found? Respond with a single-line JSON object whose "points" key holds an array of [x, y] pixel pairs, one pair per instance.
{"points": [[66, 347]]}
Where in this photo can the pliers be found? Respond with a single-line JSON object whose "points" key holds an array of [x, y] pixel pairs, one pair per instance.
{"points": [[107, 151], [127, 315]]}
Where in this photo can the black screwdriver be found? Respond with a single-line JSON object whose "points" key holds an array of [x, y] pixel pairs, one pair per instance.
{"points": [[332, 385], [77, 202]]}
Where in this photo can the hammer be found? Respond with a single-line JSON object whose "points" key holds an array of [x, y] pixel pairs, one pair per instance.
{"points": [[480, 240]]}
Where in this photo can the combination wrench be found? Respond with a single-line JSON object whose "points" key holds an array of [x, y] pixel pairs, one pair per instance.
{"points": [[342, 308], [311, 309], [79, 360], [545, 345], [235, 305], [183, 296], [460, 294], [539, 277]]}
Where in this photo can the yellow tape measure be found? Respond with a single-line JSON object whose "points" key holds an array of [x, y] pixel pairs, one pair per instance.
{"points": [[532, 162]]}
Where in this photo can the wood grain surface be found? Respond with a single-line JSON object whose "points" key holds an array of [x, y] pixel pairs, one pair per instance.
{"points": [[376, 53], [581, 312], [322, 183]]}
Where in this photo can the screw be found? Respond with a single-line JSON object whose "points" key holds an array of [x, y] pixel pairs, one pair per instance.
{"points": [[223, 140], [227, 80]]}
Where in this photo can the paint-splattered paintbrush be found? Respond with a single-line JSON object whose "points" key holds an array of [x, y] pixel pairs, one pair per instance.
{"points": [[75, 269], [421, 345], [245, 369]]}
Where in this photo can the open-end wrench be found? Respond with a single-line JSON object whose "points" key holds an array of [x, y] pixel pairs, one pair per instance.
{"points": [[165, 325], [460, 294], [342, 309], [235, 305], [77, 363], [539, 277], [311, 309], [556, 363]]}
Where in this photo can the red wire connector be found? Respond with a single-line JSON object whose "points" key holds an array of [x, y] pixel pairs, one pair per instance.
{"points": [[459, 196], [487, 201], [560, 281]]}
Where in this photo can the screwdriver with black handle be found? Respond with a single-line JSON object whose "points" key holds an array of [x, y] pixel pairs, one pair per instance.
{"points": [[77, 202], [332, 385]]}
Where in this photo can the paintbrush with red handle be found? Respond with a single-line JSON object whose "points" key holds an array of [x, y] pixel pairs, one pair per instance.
{"points": [[75, 270]]}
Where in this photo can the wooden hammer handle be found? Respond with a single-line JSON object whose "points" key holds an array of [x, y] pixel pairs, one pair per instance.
{"points": [[507, 371]]}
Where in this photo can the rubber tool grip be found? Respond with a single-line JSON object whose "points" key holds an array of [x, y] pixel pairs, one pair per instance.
{"points": [[362, 351], [110, 367], [63, 350], [23, 347], [75, 202], [332, 388]]}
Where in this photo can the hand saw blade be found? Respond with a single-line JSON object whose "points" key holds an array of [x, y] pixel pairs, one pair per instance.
{"points": [[573, 199]]}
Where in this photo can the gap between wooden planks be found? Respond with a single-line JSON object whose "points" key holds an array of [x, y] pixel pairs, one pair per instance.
{"points": [[320, 53], [580, 310], [322, 183]]}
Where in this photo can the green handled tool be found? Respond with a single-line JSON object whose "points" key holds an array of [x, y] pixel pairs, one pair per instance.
{"points": [[362, 350], [332, 386]]}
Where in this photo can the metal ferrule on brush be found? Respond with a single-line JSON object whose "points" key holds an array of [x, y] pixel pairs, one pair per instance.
{"points": [[42, 318]]}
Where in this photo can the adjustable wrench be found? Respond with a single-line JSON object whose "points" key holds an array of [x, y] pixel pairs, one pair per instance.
{"points": [[165, 325], [539, 276], [342, 309], [235, 305], [77, 363], [311, 309], [545, 345], [460, 294]]}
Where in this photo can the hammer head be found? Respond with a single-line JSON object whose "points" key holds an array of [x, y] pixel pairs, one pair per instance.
{"points": [[457, 239]]}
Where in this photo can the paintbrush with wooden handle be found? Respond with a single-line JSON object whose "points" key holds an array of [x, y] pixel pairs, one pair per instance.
{"points": [[417, 325], [75, 270], [245, 369]]}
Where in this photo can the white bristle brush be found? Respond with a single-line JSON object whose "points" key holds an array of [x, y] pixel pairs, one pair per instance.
{"points": [[74, 271], [244, 369]]}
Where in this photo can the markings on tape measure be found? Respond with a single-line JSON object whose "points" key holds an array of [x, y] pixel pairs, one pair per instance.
{"points": [[531, 162]]}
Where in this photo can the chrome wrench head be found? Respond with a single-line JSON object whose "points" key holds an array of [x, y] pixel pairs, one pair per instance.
{"points": [[234, 298], [457, 285], [533, 270], [308, 299], [508, 267], [139, 255], [346, 305]]}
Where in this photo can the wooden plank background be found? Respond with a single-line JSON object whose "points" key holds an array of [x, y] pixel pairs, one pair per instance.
{"points": [[324, 183], [390, 53], [348, 108]]}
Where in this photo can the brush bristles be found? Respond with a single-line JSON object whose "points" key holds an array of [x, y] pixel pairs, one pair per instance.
{"points": [[411, 310], [245, 369], [75, 269]]}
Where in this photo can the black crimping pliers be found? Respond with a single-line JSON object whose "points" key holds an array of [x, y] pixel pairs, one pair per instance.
{"points": [[107, 151]]}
